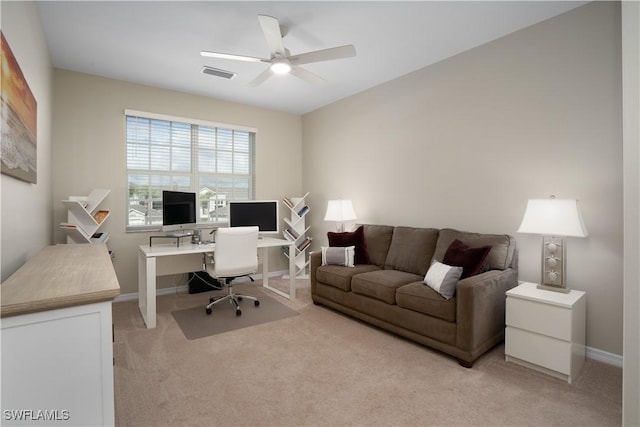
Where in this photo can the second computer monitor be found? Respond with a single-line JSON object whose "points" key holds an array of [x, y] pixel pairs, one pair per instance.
{"points": [[263, 213]]}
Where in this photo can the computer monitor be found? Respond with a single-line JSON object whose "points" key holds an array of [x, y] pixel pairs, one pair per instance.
{"points": [[263, 213], [178, 210]]}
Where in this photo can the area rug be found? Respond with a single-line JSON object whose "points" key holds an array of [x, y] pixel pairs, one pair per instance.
{"points": [[196, 323]]}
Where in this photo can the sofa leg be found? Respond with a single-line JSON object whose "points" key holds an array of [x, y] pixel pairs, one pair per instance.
{"points": [[465, 364]]}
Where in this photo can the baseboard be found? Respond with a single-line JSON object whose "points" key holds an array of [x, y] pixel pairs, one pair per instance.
{"points": [[184, 288], [604, 356]]}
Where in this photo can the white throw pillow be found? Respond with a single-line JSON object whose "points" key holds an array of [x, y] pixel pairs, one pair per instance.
{"points": [[338, 255], [443, 278]]}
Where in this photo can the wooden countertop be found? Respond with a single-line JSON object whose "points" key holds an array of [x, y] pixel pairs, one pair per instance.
{"points": [[60, 276]]}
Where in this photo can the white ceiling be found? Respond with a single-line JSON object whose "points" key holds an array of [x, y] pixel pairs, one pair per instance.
{"points": [[158, 43]]}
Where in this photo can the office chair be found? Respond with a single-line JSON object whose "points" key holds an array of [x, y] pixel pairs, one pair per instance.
{"points": [[235, 255]]}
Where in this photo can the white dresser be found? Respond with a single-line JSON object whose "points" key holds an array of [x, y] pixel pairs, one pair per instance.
{"points": [[57, 351], [546, 330]]}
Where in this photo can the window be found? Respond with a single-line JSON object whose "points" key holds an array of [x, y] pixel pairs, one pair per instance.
{"points": [[215, 161]]}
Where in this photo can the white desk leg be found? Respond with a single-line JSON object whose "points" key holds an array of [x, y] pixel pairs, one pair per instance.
{"points": [[265, 268], [265, 274], [292, 272], [147, 289]]}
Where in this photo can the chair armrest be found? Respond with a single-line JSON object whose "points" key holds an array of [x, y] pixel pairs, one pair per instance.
{"points": [[480, 314], [315, 260]]}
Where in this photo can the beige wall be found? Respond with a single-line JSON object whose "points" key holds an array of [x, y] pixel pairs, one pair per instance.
{"points": [[89, 130], [26, 208], [464, 143], [631, 102]]}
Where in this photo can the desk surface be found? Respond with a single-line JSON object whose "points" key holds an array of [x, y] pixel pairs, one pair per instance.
{"points": [[190, 248], [60, 276]]}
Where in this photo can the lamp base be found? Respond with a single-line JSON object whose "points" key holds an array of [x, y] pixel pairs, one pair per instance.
{"points": [[554, 289]]}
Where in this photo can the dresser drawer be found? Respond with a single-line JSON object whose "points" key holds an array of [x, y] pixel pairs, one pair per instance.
{"points": [[538, 349], [546, 319]]}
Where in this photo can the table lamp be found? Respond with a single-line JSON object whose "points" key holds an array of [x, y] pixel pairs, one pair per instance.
{"points": [[554, 219], [340, 211]]}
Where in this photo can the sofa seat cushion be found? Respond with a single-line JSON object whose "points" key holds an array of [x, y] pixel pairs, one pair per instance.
{"points": [[382, 284], [421, 298], [339, 276]]}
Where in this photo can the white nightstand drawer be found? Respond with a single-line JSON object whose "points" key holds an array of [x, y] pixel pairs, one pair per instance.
{"points": [[540, 350], [545, 319]]}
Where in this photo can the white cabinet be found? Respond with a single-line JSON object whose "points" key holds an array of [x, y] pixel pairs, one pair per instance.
{"points": [[84, 218], [57, 351], [546, 330], [296, 231]]}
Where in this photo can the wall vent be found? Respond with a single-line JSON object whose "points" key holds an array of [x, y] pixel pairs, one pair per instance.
{"points": [[218, 72]]}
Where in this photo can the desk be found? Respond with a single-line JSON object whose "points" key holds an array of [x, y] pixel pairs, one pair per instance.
{"points": [[147, 270]]}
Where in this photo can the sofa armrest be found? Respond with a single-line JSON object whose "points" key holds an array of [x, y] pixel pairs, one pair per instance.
{"points": [[315, 260], [480, 314]]}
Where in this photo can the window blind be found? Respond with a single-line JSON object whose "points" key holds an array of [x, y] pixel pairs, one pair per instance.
{"points": [[215, 161]]}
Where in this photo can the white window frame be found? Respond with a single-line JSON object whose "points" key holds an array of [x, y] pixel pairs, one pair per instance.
{"points": [[194, 173]]}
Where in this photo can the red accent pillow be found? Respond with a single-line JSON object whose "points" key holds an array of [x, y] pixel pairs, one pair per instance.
{"points": [[470, 259], [353, 238]]}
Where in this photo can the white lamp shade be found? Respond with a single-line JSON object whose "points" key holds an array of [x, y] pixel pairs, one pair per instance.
{"points": [[553, 217], [340, 210]]}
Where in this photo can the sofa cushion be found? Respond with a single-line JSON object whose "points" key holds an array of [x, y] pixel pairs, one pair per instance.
{"points": [[418, 297], [472, 260], [351, 238], [339, 276], [443, 278], [338, 256], [378, 239], [502, 246], [411, 249], [381, 284]]}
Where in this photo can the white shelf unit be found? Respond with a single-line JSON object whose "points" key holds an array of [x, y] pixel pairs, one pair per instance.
{"points": [[297, 231], [545, 330], [84, 218]]}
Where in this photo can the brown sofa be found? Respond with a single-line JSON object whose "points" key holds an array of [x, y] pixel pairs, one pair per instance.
{"points": [[389, 291]]}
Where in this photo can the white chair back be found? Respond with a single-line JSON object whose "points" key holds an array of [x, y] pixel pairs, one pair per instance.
{"points": [[236, 252]]}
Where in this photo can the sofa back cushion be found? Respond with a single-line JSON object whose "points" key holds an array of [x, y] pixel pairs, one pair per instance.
{"points": [[502, 246], [377, 239], [411, 249]]}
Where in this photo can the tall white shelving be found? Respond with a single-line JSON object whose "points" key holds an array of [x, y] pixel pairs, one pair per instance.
{"points": [[84, 218], [297, 232]]}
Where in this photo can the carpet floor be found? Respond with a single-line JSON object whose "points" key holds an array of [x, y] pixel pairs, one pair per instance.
{"points": [[322, 368]]}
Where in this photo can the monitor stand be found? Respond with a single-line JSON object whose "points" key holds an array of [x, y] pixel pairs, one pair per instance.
{"points": [[178, 234]]}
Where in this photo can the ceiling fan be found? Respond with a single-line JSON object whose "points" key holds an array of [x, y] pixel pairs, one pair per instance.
{"points": [[281, 60]]}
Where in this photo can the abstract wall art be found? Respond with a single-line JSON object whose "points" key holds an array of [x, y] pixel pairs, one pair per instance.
{"points": [[19, 120]]}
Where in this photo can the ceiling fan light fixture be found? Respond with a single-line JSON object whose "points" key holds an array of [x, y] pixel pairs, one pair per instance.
{"points": [[280, 67]]}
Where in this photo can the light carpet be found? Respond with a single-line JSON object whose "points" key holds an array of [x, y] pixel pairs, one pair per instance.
{"points": [[321, 368], [195, 323]]}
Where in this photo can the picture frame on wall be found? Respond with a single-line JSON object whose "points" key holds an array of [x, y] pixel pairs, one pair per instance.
{"points": [[18, 110]]}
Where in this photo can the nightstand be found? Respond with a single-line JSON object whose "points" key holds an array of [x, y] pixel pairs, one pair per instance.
{"points": [[546, 330]]}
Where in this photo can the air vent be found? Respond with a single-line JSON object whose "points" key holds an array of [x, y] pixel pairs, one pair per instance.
{"points": [[218, 72]]}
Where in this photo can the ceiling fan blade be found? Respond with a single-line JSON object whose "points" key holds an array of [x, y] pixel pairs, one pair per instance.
{"points": [[271, 29], [261, 77], [232, 56], [306, 75], [340, 52]]}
